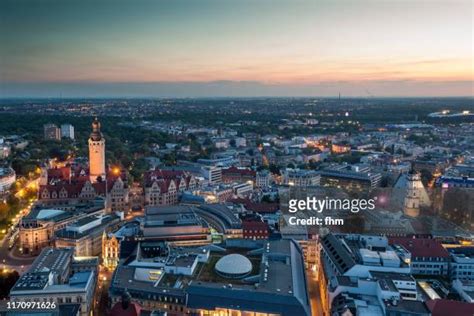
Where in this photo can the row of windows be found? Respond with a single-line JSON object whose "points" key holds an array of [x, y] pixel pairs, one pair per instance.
{"points": [[464, 273], [69, 300], [467, 267], [431, 266], [60, 300], [86, 193], [429, 259], [158, 298], [157, 195], [428, 272], [255, 237]]}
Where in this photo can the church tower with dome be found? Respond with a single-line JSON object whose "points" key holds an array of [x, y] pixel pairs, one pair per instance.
{"points": [[96, 153]]}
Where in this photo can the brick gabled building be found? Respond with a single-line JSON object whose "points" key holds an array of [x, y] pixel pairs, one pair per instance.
{"points": [[77, 187], [162, 187]]}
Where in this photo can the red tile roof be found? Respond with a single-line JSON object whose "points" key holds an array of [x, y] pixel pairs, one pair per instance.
{"points": [[63, 173], [254, 225], [421, 247], [165, 177], [100, 188], [441, 307], [74, 189]]}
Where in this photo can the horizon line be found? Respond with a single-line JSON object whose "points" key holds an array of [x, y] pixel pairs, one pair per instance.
{"points": [[241, 97]]}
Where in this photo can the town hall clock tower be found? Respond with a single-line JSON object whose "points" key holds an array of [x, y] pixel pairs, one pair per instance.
{"points": [[96, 153]]}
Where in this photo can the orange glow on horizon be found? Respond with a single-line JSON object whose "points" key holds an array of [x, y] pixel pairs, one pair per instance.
{"points": [[278, 71]]}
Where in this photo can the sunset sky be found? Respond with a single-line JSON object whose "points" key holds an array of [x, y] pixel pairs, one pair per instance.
{"points": [[236, 48]]}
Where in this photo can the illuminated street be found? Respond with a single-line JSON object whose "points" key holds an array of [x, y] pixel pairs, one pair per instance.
{"points": [[314, 296]]}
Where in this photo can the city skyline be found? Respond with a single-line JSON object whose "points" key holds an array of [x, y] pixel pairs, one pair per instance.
{"points": [[209, 48]]}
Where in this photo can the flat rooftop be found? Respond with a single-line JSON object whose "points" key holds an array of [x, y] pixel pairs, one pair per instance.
{"points": [[52, 259], [105, 221]]}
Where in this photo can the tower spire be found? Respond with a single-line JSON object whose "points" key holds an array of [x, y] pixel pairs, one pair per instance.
{"points": [[96, 135]]}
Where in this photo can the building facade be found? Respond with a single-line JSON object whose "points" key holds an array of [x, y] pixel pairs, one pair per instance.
{"points": [[263, 179], [51, 132], [300, 178], [37, 229], [350, 180], [110, 251], [67, 131], [118, 196], [234, 174], [162, 187], [425, 256], [85, 235], [55, 276]]}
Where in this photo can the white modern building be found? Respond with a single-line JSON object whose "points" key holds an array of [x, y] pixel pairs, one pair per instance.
{"points": [[243, 189], [462, 264], [55, 276], [365, 275], [212, 174], [67, 130]]}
